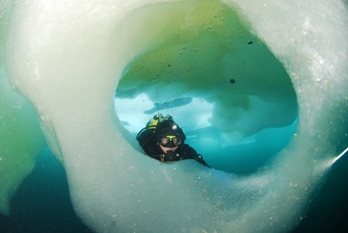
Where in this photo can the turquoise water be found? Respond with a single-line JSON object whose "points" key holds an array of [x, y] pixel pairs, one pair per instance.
{"points": [[42, 203]]}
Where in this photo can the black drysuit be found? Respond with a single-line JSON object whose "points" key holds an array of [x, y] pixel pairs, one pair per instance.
{"points": [[148, 141]]}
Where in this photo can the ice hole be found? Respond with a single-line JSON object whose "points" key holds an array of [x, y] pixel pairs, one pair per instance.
{"points": [[223, 86]]}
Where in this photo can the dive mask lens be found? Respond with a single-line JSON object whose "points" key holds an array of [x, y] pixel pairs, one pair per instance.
{"points": [[170, 141]]}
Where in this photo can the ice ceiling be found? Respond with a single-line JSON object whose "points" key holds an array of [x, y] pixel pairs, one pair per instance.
{"points": [[259, 64]]}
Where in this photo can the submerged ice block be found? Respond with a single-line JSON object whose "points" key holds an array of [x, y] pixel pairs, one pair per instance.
{"points": [[21, 139], [67, 59]]}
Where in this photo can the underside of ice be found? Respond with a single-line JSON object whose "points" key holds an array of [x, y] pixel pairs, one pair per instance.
{"points": [[253, 66]]}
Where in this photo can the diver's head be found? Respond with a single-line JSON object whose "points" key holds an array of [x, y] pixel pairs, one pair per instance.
{"points": [[169, 142], [169, 135]]}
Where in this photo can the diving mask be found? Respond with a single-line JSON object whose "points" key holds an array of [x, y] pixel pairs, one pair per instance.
{"points": [[170, 141]]}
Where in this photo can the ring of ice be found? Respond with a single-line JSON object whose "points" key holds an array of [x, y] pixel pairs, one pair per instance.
{"points": [[66, 57]]}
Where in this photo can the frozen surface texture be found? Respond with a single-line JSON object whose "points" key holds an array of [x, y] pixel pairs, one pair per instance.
{"points": [[21, 139], [67, 58]]}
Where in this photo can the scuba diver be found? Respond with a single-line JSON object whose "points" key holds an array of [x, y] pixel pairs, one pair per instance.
{"points": [[163, 139]]}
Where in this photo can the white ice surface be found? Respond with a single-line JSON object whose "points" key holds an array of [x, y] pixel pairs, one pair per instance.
{"points": [[66, 57]]}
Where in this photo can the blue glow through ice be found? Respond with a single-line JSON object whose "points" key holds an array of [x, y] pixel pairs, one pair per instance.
{"points": [[220, 151]]}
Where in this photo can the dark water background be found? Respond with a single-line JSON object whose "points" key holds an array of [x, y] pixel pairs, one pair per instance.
{"points": [[42, 203]]}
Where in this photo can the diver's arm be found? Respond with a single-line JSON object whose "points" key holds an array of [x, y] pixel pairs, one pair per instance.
{"points": [[192, 154]]}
